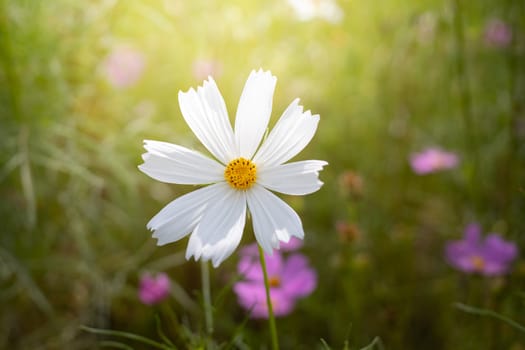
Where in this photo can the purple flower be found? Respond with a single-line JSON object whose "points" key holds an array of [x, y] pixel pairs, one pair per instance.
{"points": [[153, 290], [290, 279], [433, 160], [123, 66], [497, 33], [292, 245], [490, 257]]}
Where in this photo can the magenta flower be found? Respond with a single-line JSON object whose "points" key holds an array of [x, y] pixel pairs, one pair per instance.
{"points": [[123, 67], [497, 33], [432, 160], [153, 290], [290, 279], [490, 257], [292, 245]]}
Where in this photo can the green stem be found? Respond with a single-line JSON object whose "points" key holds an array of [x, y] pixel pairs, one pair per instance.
{"points": [[465, 101], [465, 98], [8, 59], [206, 295], [515, 11], [489, 313], [271, 318]]}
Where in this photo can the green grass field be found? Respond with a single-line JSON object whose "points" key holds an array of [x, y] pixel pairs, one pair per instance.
{"points": [[388, 78]]}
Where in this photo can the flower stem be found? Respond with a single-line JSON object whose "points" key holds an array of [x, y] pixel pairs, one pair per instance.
{"points": [[465, 99], [271, 318], [206, 295]]}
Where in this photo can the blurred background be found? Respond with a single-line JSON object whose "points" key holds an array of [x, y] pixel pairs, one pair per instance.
{"points": [[83, 83]]}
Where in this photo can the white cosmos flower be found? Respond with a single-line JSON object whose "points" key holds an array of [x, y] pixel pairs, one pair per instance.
{"points": [[239, 176]]}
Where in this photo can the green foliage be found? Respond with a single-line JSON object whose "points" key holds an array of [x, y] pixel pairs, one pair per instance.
{"points": [[390, 79]]}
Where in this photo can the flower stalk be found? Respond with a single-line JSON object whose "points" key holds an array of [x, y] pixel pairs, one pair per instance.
{"points": [[271, 317], [465, 99], [206, 295]]}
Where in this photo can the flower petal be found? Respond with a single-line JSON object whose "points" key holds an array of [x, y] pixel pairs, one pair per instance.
{"points": [[253, 112], [205, 113], [220, 230], [497, 248], [249, 266], [298, 178], [472, 234], [171, 163], [292, 245], [456, 250], [298, 278], [273, 219], [181, 216], [291, 134], [252, 297]]}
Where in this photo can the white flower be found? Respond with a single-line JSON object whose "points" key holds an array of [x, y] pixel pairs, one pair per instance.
{"points": [[240, 176]]}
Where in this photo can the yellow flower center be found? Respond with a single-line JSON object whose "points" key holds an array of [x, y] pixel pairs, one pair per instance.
{"points": [[240, 173], [478, 262], [274, 281]]}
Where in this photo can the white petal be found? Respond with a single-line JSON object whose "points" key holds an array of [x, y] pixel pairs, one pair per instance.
{"points": [[182, 215], [291, 134], [298, 178], [220, 230], [273, 219], [205, 113], [253, 112], [171, 163]]}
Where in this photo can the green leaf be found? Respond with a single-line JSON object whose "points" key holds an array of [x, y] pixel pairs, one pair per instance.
{"points": [[484, 312], [126, 335]]}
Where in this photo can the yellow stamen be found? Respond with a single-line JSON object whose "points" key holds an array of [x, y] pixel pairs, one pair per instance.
{"points": [[240, 173], [478, 262], [274, 281]]}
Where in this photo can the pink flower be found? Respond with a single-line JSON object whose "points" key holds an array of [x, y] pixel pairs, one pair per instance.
{"points": [[153, 290], [491, 256], [203, 68], [432, 160], [290, 279], [292, 245], [123, 67], [497, 33]]}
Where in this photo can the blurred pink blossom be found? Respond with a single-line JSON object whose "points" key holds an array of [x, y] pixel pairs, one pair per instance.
{"points": [[154, 289], [491, 256], [289, 278], [498, 33], [292, 245], [123, 66], [433, 160], [203, 68]]}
